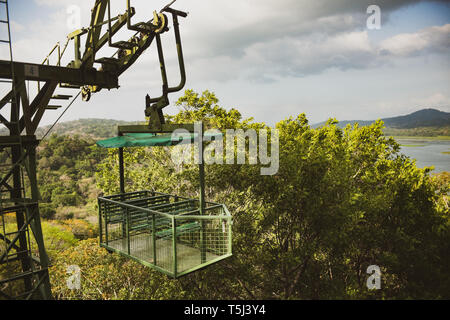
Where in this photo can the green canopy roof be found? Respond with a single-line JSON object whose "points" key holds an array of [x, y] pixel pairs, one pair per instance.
{"points": [[153, 140]]}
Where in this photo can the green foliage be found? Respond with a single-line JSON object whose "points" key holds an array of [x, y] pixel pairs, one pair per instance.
{"points": [[342, 200], [63, 235], [47, 210], [81, 229], [66, 167], [108, 276], [57, 238]]}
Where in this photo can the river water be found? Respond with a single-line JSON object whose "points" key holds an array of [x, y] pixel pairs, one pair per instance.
{"points": [[427, 153]]}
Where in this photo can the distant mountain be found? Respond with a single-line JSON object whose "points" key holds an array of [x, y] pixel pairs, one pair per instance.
{"points": [[419, 119], [93, 128], [426, 122]]}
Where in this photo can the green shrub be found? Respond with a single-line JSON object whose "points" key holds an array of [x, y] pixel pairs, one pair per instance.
{"points": [[47, 210]]}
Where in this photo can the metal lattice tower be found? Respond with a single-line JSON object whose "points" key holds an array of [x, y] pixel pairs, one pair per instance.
{"points": [[23, 260]]}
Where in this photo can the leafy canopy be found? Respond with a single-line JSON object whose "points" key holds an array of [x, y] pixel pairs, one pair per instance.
{"points": [[342, 200]]}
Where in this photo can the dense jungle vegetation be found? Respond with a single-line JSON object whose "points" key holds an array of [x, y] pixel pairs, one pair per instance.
{"points": [[343, 199]]}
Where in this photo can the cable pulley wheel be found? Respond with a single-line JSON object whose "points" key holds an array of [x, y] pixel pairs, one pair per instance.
{"points": [[160, 22], [85, 93]]}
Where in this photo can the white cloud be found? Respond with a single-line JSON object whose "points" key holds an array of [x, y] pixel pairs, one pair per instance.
{"points": [[17, 27], [313, 54], [257, 40], [435, 100], [434, 39], [251, 42]]}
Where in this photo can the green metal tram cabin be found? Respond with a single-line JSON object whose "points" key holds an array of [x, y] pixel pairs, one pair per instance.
{"points": [[170, 233]]}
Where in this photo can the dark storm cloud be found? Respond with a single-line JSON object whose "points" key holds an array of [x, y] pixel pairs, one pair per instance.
{"points": [[295, 18], [291, 37]]}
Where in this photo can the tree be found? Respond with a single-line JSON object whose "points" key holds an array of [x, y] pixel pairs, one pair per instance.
{"points": [[343, 199], [109, 277]]}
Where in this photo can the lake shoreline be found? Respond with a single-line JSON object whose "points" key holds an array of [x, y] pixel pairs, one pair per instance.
{"points": [[428, 151], [423, 138]]}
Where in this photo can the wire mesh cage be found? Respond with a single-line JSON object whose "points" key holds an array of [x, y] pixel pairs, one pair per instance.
{"points": [[167, 232]]}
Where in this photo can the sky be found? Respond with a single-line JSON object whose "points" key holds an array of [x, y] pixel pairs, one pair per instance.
{"points": [[269, 59]]}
